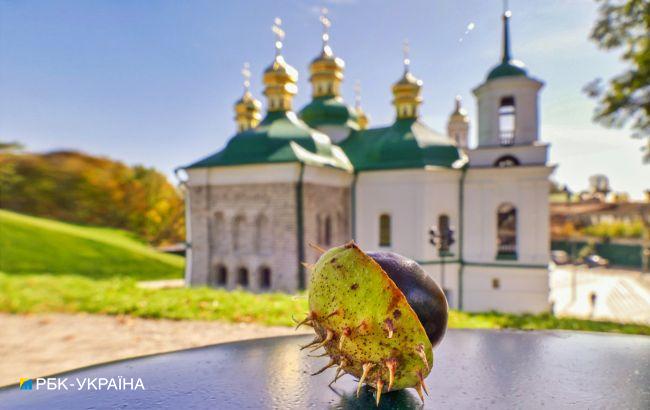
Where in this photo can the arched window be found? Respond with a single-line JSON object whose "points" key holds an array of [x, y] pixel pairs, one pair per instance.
{"points": [[506, 161], [218, 234], [443, 229], [507, 123], [506, 232], [242, 277], [265, 277], [327, 231], [262, 234], [319, 229], [384, 230], [218, 276], [237, 233], [222, 275]]}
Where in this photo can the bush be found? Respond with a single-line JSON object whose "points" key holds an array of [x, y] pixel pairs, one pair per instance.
{"points": [[616, 230]]}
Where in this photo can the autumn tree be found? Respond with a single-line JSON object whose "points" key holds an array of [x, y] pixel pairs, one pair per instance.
{"points": [[76, 187]]}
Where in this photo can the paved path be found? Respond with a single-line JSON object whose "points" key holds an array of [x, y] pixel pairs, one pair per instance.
{"points": [[39, 345], [617, 295]]}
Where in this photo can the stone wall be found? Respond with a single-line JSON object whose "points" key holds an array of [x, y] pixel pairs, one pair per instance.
{"points": [[247, 227], [320, 204], [254, 226]]}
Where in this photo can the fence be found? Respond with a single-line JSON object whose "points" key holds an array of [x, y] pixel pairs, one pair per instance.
{"points": [[624, 255]]}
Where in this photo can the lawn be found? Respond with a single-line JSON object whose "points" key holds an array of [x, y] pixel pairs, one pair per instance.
{"points": [[48, 266], [69, 293], [37, 245]]}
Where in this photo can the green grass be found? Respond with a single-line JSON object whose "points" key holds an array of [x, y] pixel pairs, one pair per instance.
{"points": [[48, 266], [118, 296], [37, 245]]}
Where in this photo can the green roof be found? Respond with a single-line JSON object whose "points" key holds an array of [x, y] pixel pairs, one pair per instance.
{"points": [[510, 68], [329, 110], [408, 143], [280, 137]]}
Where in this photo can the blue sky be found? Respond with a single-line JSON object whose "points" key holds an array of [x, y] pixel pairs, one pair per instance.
{"points": [[153, 82]]}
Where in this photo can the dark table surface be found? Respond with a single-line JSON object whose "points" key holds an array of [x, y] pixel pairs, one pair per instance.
{"points": [[473, 369]]}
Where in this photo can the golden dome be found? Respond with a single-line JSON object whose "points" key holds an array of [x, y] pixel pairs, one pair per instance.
{"points": [[406, 91], [459, 113], [280, 78]]}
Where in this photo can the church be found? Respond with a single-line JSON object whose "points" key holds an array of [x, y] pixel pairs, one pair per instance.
{"points": [[289, 182]]}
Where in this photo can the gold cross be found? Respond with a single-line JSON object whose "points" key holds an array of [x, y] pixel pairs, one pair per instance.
{"points": [[279, 35], [325, 21], [246, 73], [405, 49]]}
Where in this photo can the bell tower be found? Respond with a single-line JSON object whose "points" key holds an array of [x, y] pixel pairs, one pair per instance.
{"points": [[508, 112]]}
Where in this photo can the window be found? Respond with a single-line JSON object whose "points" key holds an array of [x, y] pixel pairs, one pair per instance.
{"points": [[327, 231], [319, 229], [496, 284], [443, 229], [262, 238], [237, 232], [384, 230], [265, 278], [242, 277], [507, 232], [506, 161], [218, 276], [218, 233], [507, 124]]}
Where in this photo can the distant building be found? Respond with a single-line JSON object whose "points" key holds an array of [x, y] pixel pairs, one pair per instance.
{"points": [[323, 176], [595, 211]]}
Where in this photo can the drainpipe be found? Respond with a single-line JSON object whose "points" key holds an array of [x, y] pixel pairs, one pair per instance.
{"points": [[300, 228], [353, 213], [188, 227], [461, 217]]}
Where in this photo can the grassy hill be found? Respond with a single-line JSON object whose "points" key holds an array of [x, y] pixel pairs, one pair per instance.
{"points": [[31, 245]]}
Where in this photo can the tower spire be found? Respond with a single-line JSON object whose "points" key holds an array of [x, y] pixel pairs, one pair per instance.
{"points": [[407, 61], [325, 21], [279, 35], [362, 118], [506, 33], [246, 73]]}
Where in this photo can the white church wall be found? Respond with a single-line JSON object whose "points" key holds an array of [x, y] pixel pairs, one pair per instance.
{"points": [[535, 154], [524, 187], [446, 276], [505, 289], [244, 174], [414, 199]]}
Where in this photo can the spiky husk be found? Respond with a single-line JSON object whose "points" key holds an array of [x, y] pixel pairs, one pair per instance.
{"points": [[364, 322]]}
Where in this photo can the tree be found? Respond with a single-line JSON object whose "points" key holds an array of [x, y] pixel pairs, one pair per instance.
{"points": [[625, 24], [76, 187]]}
